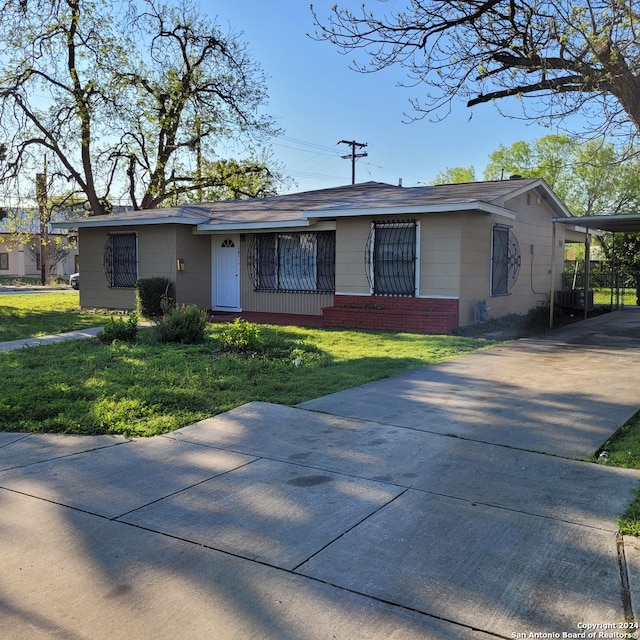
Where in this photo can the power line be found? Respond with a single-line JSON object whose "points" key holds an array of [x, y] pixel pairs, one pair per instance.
{"points": [[313, 147]]}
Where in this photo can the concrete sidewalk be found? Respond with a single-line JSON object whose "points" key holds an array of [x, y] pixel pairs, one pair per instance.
{"points": [[51, 339], [423, 506]]}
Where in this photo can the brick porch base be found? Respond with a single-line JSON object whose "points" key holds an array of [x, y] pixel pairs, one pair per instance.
{"points": [[416, 315], [386, 313]]}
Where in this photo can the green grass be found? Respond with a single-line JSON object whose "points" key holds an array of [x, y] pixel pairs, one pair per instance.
{"points": [[86, 387], [626, 297], [623, 450], [29, 315]]}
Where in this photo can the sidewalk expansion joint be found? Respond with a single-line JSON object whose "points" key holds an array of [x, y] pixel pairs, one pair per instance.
{"points": [[344, 533], [625, 590], [178, 491], [446, 435], [493, 505], [294, 573], [62, 457]]}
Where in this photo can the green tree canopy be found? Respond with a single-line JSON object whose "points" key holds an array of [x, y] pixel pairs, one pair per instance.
{"points": [[123, 98], [591, 177], [455, 175]]}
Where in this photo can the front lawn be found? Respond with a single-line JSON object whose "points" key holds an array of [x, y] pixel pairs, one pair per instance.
{"points": [[30, 315], [86, 387]]}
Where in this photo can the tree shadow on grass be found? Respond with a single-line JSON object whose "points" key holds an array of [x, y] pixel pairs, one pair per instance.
{"points": [[84, 387], [15, 325]]}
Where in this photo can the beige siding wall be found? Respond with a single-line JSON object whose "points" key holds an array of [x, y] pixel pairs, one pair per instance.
{"points": [[94, 289], [475, 264], [156, 257], [439, 255], [351, 240], [273, 301], [193, 285], [455, 257], [533, 229]]}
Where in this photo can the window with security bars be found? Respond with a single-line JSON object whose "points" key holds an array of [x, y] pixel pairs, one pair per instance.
{"points": [[391, 258], [294, 262], [505, 260], [121, 260]]}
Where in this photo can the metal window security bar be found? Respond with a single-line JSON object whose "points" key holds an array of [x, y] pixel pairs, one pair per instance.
{"points": [[293, 262], [121, 260], [505, 260], [391, 258]]}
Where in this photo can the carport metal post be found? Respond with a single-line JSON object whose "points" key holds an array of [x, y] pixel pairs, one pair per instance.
{"points": [[587, 272], [553, 275], [615, 222], [587, 264]]}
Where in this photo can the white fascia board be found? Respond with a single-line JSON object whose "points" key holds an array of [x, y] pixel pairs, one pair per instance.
{"points": [[521, 186], [82, 223], [481, 207], [556, 204], [585, 230], [282, 225]]}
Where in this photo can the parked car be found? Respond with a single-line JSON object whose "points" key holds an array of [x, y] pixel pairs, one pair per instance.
{"points": [[74, 280]]}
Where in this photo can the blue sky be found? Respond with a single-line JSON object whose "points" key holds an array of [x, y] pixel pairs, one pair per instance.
{"points": [[317, 100]]}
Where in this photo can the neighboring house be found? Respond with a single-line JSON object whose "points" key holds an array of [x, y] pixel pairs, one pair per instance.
{"points": [[22, 259], [371, 255]]}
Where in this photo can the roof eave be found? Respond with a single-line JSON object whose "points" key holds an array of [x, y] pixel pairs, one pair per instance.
{"points": [[119, 222], [480, 207], [209, 227]]}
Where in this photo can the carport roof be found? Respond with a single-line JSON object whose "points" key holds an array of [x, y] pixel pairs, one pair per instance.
{"points": [[617, 222]]}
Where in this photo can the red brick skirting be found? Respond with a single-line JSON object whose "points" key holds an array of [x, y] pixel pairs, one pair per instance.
{"points": [[416, 315]]}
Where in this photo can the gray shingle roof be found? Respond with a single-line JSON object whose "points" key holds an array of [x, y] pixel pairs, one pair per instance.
{"points": [[297, 208]]}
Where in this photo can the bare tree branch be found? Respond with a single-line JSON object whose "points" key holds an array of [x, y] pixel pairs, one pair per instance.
{"points": [[566, 54]]}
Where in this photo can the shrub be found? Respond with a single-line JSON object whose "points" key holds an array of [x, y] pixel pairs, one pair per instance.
{"points": [[122, 329], [241, 337], [185, 324], [154, 296]]}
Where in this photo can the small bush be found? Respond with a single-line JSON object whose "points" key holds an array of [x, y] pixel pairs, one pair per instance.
{"points": [[185, 324], [154, 296], [241, 337], [122, 329]]}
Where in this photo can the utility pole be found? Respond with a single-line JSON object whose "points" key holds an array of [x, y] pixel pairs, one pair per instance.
{"points": [[41, 198], [353, 155]]}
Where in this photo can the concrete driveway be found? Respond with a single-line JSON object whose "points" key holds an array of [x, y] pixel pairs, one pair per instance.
{"points": [[445, 503]]}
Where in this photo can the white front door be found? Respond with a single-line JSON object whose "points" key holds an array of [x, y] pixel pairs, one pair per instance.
{"points": [[226, 272]]}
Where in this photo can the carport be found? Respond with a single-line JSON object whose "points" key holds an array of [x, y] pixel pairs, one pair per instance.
{"points": [[614, 223]]}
